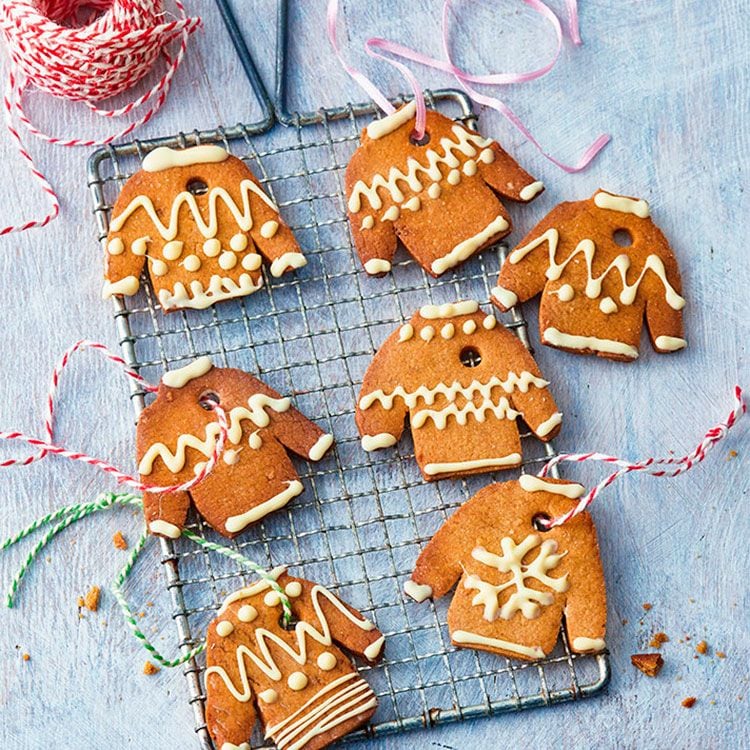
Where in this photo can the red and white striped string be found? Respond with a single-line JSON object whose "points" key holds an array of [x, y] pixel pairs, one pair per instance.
{"points": [[670, 466], [117, 46], [381, 48], [47, 445]]}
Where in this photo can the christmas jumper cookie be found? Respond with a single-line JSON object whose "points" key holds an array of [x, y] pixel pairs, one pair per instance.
{"points": [[254, 476], [463, 379], [439, 197], [516, 583], [306, 690], [600, 264], [199, 218]]}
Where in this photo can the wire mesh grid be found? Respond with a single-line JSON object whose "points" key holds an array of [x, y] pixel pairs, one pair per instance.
{"points": [[363, 518]]}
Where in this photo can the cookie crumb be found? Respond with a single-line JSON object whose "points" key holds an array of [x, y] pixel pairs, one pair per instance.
{"points": [[702, 648], [732, 454], [689, 702], [647, 606], [81, 602], [625, 621], [721, 655], [649, 664], [119, 540], [149, 668], [26, 656], [658, 640], [91, 600]]}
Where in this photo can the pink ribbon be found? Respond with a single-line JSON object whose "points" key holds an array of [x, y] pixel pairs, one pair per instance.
{"points": [[379, 48]]}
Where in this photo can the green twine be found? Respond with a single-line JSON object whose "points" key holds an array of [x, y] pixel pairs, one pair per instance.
{"points": [[69, 514]]}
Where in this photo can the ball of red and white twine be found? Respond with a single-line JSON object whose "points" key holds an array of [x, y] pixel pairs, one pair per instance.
{"points": [[87, 51]]}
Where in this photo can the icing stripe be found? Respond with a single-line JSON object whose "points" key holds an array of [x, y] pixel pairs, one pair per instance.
{"points": [[531, 190], [394, 121], [501, 410], [470, 245], [182, 376], [219, 288], [670, 343], [512, 459], [418, 591], [449, 310], [505, 297], [548, 425], [530, 483], [465, 637], [164, 528], [255, 412], [612, 202], [381, 440], [165, 158], [589, 645], [247, 591], [237, 523], [571, 341], [375, 266], [127, 286], [287, 262], [322, 444]]}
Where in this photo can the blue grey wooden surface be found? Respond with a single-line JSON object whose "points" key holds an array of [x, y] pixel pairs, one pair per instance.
{"points": [[671, 81]]}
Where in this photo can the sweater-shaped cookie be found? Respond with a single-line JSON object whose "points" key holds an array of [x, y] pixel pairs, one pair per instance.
{"points": [[463, 379], [440, 198], [254, 476], [516, 582], [601, 264], [306, 690], [199, 218]]}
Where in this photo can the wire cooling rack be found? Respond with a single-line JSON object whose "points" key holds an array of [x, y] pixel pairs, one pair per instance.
{"points": [[363, 518]]}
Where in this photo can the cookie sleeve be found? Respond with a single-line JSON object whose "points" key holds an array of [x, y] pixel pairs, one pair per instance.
{"points": [[523, 273], [506, 177], [438, 566], [586, 601], [230, 722], [292, 428], [664, 306], [380, 416], [122, 268], [166, 513]]}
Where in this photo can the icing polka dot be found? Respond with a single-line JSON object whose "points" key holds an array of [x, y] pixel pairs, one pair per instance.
{"points": [[565, 293], [447, 331], [212, 247], [139, 246], [608, 306], [247, 613], [172, 250], [224, 628], [158, 268], [238, 243], [192, 263], [293, 589], [297, 681], [251, 262], [470, 168], [427, 333], [434, 190], [327, 661], [454, 177], [227, 261], [271, 599], [269, 696], [469, 327], [489, 322], [254, 441], [231, 457], [487, 156], [199, 467], [368, 222], [269, 229], [413, 204], [391, 214], [115, 246], [405, 332]]}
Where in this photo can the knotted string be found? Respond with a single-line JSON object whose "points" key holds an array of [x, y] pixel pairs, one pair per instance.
{"points": [[60, 519], [116, 47], [670, 466]]}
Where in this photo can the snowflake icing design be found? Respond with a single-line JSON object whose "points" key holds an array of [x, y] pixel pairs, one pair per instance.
{"points": [[524, 599]]}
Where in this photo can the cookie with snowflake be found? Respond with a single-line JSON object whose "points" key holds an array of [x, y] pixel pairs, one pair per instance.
{"points": [[516, 582]]}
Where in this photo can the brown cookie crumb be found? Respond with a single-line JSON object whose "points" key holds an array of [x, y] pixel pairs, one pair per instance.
{"points": [[702, 647], [26, 657], [149, 668], [721, 655], [658, 640], [647, 606], [91, 600], [732, 454], [649, 664], [119, 541], [689, 702]]}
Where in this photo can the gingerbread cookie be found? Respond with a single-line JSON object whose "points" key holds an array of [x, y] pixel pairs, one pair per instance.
{"points": [[516, 582], [254, 476], [438, 197], [305, 688], [601, 264], [463, 379], [199, 218]]}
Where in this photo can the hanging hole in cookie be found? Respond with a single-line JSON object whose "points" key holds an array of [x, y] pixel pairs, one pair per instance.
{"points": [[209, 399], [470, 357], [622, 237], [423, 141], [291, 625], [540, 522], [196, 186]]}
